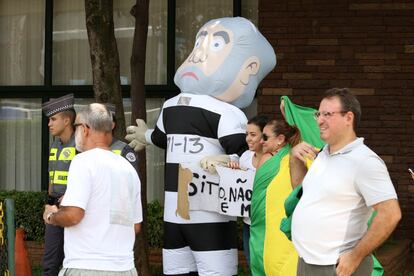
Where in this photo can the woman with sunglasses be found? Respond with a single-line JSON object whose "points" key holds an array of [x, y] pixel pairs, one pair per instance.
{"points": [[276, 135], [271, 253], [250, 160]]}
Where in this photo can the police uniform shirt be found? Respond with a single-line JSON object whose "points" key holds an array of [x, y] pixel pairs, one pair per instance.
{"points": [[121, 148], [60, 157]]}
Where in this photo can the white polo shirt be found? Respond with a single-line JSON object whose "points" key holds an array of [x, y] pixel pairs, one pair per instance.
{"points": [[338, 190]]}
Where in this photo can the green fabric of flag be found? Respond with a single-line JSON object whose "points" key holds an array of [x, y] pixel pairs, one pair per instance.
{"points": [[303, 118], [290, 205], [270, 252]]}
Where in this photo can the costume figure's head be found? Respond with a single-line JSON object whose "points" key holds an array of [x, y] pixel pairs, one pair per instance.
{"points": [[230, 58]]}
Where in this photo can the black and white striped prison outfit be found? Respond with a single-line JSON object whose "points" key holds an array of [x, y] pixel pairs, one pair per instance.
{"points": [[189, 128]]}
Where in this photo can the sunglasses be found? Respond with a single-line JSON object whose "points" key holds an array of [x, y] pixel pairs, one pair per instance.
{"points": [[265, 137]]}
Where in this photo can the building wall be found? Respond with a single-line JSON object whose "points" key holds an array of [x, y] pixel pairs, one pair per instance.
{"points": [[367, 46]]}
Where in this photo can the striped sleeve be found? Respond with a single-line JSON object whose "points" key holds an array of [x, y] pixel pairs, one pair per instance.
{"points": [[232, 132]]}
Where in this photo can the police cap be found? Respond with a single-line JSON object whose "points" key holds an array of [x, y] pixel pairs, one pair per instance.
{"points": [[55, 106]]}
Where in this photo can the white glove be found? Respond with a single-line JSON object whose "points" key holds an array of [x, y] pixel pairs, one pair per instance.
{"points": [[209, 163], [136, 135]]}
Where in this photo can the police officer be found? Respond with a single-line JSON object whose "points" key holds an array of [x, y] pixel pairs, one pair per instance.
{"points": [[119, 147], [61, 116]]}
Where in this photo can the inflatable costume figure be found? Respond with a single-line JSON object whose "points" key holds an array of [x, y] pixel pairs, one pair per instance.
{"points": [[220, 76]]}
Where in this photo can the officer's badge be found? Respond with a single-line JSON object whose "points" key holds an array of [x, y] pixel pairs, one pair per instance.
{"points": [[130, 157], [66, 153]]}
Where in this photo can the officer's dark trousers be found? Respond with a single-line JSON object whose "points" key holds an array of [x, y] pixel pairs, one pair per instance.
{"points": [[53, 256]]}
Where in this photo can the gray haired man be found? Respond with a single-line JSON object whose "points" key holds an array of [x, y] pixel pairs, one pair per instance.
{"points": [[101, 210]]}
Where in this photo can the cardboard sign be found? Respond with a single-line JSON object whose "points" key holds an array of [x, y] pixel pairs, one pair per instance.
{"points": [[229, 192], [235, 191]]}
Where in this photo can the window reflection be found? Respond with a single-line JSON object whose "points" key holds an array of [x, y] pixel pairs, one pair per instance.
{"points": [[21, 42], [155, 155], [191, 15], [71, 57], [250, 10], [20, 144]]}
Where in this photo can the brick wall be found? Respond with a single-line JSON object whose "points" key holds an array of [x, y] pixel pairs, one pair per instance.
{"points": [[367, 46]]}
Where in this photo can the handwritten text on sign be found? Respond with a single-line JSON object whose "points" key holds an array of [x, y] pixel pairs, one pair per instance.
{"points": [[235, 191], [228, 193]]}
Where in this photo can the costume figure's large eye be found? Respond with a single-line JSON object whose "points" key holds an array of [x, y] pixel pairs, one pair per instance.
{"points": [[217, 43]]}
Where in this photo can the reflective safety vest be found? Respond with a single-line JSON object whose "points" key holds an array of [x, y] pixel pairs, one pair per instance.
{"points": [[117, 146], [60, 157]]}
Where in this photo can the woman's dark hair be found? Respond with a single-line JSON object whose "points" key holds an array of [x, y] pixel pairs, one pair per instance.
{"points": [[259, 120], [291, 133]]}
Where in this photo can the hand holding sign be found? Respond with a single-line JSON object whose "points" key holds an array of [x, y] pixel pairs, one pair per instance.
{"points": [[210, 163]]}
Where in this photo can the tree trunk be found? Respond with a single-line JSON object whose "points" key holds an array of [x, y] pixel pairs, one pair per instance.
{"points": [[140, 12], [105, 58]]}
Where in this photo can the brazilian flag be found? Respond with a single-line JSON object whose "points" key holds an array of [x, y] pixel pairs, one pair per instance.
{"points": [[271, 252]]}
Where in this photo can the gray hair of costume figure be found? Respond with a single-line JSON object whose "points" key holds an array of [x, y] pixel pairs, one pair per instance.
{"points": [[247, 42], [97, 117]]}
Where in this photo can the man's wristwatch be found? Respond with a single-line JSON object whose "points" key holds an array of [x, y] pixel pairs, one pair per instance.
{"points": [[49, 216]]}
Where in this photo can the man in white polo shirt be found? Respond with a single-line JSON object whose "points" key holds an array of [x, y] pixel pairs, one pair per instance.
{"points": [[346, 181]]}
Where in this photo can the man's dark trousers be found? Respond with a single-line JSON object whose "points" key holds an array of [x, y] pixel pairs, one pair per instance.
{"points": [[53, 256]]}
